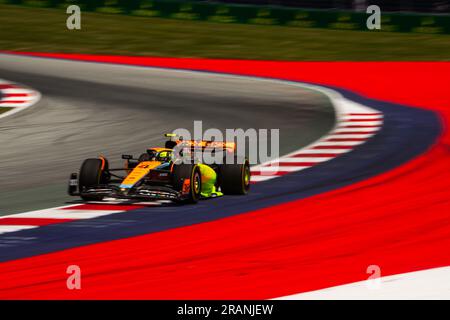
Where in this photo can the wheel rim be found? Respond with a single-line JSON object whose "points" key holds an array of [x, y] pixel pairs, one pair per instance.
{"points": [[246, 176], [196, 183]]}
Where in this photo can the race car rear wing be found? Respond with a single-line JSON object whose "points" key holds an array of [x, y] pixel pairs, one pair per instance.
{"points": [[204, 144]]}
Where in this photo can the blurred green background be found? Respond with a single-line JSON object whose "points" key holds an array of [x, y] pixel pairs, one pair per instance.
{"points": [[44, 29]]}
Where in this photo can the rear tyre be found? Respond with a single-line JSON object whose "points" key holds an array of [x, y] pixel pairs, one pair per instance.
{"points": [[92, 174], [235, 178], [180, 173]]}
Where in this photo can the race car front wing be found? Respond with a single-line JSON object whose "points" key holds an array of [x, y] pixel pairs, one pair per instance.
{"points": [[142, 192]]}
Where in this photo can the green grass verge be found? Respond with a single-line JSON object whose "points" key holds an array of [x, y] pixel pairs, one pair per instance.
{"points": [[37, 29], [2, 109]]}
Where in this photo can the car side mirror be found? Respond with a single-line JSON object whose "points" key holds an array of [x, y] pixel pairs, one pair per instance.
{"points": [[127, 156]]}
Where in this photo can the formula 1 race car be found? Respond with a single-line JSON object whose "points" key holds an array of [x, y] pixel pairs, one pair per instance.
{"points": [[156, 175]]}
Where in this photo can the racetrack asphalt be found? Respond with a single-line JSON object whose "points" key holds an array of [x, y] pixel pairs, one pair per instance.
{"points": [[89, 109]]}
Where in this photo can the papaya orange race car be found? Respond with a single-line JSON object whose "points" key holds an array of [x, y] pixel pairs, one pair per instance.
{"points": [[157, 175]]}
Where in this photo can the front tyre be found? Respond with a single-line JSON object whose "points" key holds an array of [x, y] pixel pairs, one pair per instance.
{"points": [[184, 173], [92, 174]]}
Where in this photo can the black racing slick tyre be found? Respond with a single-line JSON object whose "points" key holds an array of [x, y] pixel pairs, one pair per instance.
{"points": [[180, 173], [91, 174], [235, 178]]}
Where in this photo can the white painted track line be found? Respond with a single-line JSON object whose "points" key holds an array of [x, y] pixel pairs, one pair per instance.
{"points": [[66, 214], [13, 228], [423, 285], [309, 159]]}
